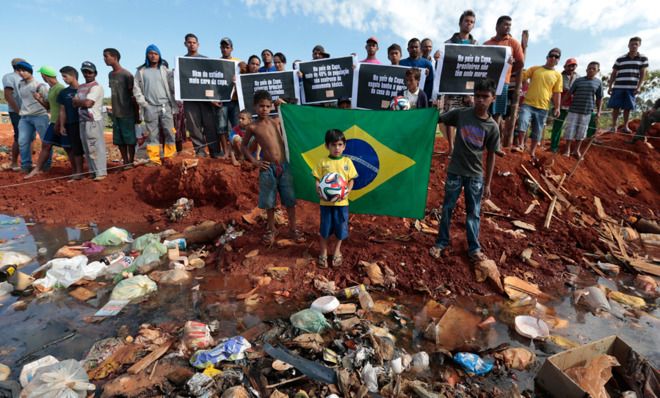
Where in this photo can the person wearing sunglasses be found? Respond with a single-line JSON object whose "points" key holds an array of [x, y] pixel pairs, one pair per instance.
{"points": [[545, 85]]}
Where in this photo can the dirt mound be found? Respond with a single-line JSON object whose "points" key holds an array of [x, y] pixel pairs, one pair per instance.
{"points": [[205, 185]]}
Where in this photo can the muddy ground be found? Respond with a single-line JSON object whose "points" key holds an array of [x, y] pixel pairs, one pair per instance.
{"points": [[624, 176]]}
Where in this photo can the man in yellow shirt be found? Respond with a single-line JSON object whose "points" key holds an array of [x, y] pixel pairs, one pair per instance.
{"points": [[545, 83]]}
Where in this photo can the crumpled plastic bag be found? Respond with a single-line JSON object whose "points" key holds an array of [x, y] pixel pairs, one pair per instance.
{"points": [[112, 236], [309, 320], [231, 349], [150, 253], [66, 379], [64, 272], [133, 288], [172, 277], [516, 358], [594, 375], [145, 240], [13, 258], [472, 363], [196, 335]]}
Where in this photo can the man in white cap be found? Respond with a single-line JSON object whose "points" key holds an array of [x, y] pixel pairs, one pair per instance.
{"points": [[89, 101]]}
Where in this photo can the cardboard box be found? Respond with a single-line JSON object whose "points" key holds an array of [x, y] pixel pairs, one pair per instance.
{"points": [[552, 379]]}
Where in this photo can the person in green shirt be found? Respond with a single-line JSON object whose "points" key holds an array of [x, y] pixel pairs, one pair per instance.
{"points": [[53, 135]]}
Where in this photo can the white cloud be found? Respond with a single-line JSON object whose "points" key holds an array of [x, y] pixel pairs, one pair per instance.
{"points": [[609, 49], [438, 20]]}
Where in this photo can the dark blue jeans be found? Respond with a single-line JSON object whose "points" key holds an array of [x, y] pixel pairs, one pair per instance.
{"points": [[474, 188]]}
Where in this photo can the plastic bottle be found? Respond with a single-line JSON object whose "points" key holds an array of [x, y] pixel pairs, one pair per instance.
{"points": [[180, 243], [7, 272], [113, 258], [366, 302], [352, 291]]}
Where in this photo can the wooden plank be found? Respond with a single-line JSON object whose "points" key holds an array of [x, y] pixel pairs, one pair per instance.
{"points": [[536, 182], [143, 363], [555, 191], [643, 266], [599, 209]]}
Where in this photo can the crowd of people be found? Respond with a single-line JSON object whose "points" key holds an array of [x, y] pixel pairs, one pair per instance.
{"points": [[72, 117]]}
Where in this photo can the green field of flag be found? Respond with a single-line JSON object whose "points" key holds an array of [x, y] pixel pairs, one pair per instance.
{"points": [[391, 151]]}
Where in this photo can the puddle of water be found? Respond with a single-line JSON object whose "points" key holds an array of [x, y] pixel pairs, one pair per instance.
{"points": [[54, 324]]}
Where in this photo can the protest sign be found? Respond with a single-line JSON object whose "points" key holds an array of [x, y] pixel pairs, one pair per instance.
{"points": [[461, 65], [326, 80], [204, 79], [279, 84], [374, 85]]}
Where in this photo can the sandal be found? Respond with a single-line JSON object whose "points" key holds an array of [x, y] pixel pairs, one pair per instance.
{"points": [[298, 236], [322, 262], [337, 260], [269, 237]]}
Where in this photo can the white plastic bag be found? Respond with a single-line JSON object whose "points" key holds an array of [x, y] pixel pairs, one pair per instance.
{"points": [[133, 288], [66, 379], [63, 272], [13, 258]]}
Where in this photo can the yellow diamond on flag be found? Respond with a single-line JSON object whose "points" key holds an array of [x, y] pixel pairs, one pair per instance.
{"points": [[375, 162]]}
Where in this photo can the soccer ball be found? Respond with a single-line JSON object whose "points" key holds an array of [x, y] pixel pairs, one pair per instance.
{"points": [[332, 185], [400, 104]]}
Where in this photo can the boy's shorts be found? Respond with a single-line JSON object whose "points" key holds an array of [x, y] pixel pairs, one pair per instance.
{"points": [[277, 178], [576, 126], [123, 131], [622, 98], [534, 116], [334, 220], [52, 138]]}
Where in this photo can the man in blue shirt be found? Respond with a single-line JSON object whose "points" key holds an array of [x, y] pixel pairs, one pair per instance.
{"points": [[416, 60]]}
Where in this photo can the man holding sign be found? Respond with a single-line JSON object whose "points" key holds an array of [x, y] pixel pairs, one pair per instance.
{"points": [[415, 60]]}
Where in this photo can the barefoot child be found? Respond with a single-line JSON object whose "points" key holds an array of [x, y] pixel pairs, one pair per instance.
{"points": [[586, 92], [274, 173], [334, 214], [236, 136]]}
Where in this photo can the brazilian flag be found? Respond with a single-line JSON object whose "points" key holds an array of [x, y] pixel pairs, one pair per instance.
{"points": [[391, 151]]}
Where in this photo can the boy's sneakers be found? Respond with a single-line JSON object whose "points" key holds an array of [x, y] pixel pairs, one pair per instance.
{"points": [[438, 252], [99, 178]]}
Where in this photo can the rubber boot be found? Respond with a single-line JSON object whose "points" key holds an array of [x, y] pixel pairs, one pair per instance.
{"points": [[169, 150], [153, 151]]}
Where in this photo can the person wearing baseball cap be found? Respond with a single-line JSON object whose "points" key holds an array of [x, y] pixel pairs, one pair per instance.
{"points": [[10, 88], [227, 114], [52, 135], [34, 115], [568, 75], [89, 101], [372, 48]]}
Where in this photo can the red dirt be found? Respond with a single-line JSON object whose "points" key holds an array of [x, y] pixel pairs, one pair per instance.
{"points": [[625, 178]]}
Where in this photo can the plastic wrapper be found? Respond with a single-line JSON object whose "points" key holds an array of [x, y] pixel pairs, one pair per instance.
{"points": [[196, 335], [231, 349], [66, 379], [472, 363], [309, 321], [112, 236], [133, 288]]}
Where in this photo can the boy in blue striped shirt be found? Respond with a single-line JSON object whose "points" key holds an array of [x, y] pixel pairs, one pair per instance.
{"points": [[587, 93]]}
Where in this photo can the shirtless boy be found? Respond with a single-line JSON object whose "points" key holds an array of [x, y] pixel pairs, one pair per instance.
{"points": [[274, 170]]}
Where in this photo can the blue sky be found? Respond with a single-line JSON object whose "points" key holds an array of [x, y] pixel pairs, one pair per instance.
{"points": [[58, 32]]}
